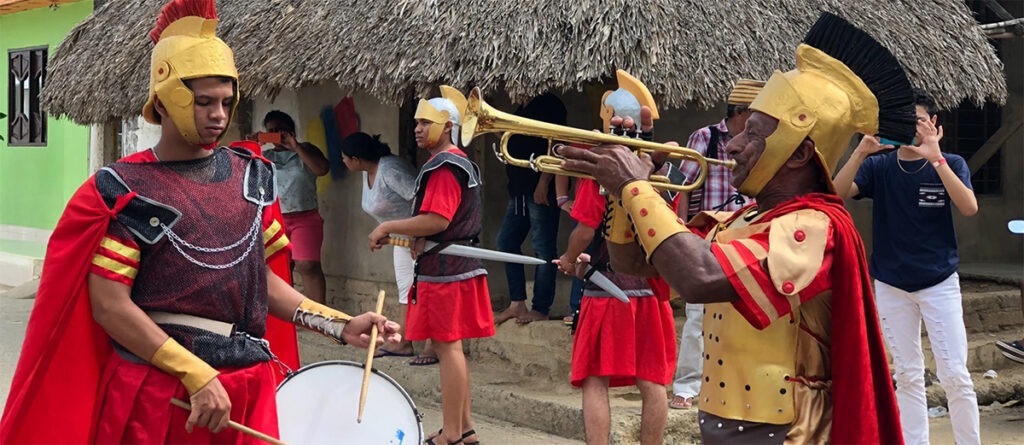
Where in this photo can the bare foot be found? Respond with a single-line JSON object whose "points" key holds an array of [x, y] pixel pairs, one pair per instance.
{"points": [[680, 402], [530, 317], [428, 349], [514, 310], [403, 349]]}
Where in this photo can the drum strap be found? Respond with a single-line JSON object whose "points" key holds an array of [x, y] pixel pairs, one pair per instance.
{"points": [[206, 324]]}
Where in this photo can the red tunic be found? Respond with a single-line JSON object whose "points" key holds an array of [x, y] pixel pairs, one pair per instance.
{"points": [[616, 340], [139, 412], [448, 311]]}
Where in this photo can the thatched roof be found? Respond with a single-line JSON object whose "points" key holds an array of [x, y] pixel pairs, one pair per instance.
{"points": [[686, 51]]}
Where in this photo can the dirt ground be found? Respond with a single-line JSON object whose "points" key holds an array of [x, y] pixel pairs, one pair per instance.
{"points": [[1000, 426]]}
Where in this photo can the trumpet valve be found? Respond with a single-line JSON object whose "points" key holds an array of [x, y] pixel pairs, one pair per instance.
{"points": [[497, 153]]}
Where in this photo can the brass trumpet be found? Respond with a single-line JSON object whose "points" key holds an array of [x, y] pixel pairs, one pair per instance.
{"points": [[481, 118]]}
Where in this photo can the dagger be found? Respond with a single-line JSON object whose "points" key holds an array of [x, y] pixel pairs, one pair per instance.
{"points": [[472, 252], [605, 284]]}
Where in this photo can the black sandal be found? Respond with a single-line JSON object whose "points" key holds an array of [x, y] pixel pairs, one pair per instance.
{"points": [[466, 435], [430, 440]]}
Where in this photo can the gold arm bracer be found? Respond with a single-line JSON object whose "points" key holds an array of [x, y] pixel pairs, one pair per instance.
{"points": [[172, 358], [653, 219]]}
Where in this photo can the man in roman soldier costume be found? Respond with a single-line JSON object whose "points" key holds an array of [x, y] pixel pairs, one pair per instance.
{"points": [[449, 300], [793, 350], [156, 282], [618, 343]]}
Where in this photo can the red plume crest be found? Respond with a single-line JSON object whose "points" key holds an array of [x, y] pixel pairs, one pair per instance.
{"points": [[177, 9]]}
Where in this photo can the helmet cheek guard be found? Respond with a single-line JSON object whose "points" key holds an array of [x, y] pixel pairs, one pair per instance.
{"points": [[438, 118]]}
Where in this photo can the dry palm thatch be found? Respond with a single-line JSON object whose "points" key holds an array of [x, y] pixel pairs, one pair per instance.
{"points": [[687, 51]]}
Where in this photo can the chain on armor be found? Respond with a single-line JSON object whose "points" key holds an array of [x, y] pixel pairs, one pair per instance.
{"points": [[251, 235]]}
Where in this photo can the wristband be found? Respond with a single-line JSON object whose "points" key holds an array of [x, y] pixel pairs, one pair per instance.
{"points": [[317, 317], [652, 217], [936, 163], [172, 358], [561, 200]]}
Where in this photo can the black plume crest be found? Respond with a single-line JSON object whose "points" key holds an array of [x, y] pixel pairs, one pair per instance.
{"points": [[876, 67]]}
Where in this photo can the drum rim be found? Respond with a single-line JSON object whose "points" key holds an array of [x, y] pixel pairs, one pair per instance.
{"points": [[408, 398]]}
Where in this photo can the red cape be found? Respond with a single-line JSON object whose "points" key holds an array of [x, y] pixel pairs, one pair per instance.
{"points": [[54, 397], [864, 409]]}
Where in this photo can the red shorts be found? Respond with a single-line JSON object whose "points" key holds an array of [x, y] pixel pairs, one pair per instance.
{"points": [[450, 311], [624, 342], [135, 405], [306, 232]]}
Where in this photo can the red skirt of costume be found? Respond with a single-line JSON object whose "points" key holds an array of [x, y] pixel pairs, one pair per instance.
{"points": [[624, 342], [450, 311], [135, 405]]}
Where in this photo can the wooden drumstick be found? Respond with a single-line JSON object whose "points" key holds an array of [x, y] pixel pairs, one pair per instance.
{"points": [[369, 358], [234, 425]]}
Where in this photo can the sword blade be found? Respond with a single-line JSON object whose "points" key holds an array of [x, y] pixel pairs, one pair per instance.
{"points": [[604, 283], [486, 254]]}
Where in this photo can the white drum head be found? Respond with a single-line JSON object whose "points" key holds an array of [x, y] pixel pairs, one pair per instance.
{"points": [[318, 404]]}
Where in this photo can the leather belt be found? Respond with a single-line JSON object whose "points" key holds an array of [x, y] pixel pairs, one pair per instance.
{"points": [[206, 324]]}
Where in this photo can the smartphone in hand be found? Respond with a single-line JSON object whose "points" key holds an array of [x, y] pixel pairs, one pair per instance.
{"points": [[268, 138]]}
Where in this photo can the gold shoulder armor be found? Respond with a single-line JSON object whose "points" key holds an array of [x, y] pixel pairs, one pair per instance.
{"points": [[796, 247]]}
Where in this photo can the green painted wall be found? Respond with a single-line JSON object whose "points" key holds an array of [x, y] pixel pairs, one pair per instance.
{"points": [[36, 182]]}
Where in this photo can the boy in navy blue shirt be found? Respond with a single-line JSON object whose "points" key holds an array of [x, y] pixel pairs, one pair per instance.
{"points": [[914, 263]]}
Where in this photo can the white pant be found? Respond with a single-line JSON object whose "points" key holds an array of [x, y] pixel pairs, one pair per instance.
{"points": [[404, 273], [941, 309], [690, 363]]}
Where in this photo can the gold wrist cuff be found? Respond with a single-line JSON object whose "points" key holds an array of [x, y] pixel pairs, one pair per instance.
{"points": [[320, 318], [652, 217], [617, 227], [175, 360]]}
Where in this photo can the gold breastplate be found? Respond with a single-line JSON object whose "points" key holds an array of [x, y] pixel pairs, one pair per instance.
{"points": [[746, 371]]}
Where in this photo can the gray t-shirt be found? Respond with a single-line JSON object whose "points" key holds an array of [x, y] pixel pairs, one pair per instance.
{"points": [[392, 192], [296, 184]]}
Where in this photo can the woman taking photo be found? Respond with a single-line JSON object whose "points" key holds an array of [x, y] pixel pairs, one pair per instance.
{"points": [[389, 185]]}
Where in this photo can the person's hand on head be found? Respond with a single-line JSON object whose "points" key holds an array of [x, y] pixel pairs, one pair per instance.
{"points": [[928, 137], [870, 145]]}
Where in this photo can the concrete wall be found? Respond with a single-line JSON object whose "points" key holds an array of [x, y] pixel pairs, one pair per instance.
{"points": [[36, 181]]}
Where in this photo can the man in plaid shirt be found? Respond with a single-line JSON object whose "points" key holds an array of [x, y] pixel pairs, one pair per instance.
{"points": [[717, 193]]}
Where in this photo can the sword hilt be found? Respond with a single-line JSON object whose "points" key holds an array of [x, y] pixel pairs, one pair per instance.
{"points": [[400, 242]]}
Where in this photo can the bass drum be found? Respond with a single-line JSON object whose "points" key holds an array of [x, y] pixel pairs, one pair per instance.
{"points": [[318, 404]]}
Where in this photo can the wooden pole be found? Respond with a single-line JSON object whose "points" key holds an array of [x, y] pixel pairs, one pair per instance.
{"points": [[369, 359], [234, 425]]}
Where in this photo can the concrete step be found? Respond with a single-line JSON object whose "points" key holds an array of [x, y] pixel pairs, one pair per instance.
{"points": [[1007, 386], [982, 353], [508, 395], [17, 269]]}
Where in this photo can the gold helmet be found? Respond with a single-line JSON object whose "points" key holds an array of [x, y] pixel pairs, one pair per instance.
{"points": [[186, 48], [627, 100], [844, 82], [450, 107]]}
